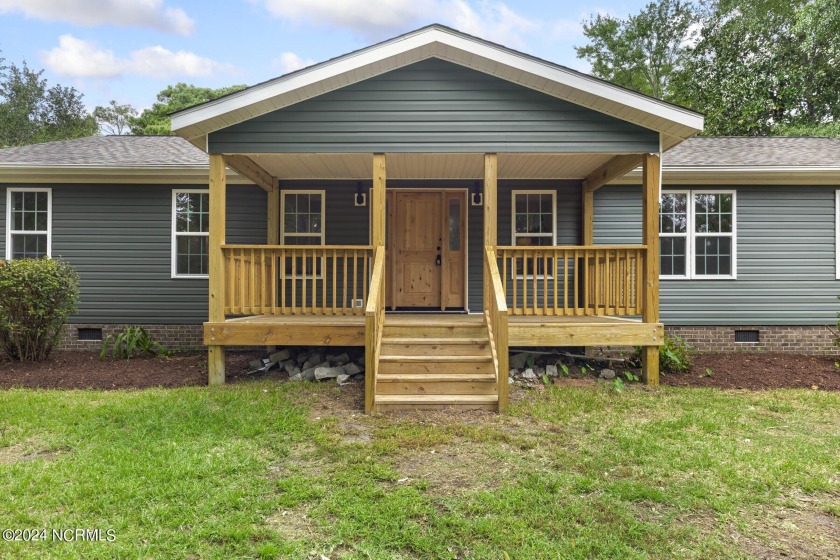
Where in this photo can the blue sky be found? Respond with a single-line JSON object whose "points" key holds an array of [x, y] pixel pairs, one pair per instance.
{"points": [[129, 50]]}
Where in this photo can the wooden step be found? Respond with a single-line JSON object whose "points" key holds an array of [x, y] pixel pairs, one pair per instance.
{"points": [[423, 331], [435, 367], [433, 350], [470, 340], [426, 402], [436, 384], [434, 359], [436, 377]]}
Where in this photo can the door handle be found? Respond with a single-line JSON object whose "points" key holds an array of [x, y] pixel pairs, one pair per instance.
{"points": [[437, 260]]}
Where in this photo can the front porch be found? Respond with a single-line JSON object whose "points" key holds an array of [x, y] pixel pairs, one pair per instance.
{"points": [[339, 295]]}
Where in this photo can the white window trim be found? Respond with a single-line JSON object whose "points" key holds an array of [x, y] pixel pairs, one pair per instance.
{"points": [[514, 235], [323, 233], [837, 233], [176, 234], [689, 224], [10, 232], [690, 273]]}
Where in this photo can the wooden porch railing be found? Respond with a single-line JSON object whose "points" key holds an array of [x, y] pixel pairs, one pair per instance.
{"points": [[496, 316], [374, 324], [587, 280], [296, 280]]}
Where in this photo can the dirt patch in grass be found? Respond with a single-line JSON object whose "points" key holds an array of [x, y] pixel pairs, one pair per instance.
{"points": [[66, 369], [293, 524], [792, 533], [754, 370], [451, 469], [22, 452]]}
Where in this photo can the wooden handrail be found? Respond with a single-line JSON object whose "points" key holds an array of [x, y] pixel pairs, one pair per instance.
{"points": [[374, 325], [588, 280], [496, 317], [296, 279]]}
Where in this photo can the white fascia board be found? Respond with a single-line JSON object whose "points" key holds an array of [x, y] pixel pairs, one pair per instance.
{"points": [[418, 46]]}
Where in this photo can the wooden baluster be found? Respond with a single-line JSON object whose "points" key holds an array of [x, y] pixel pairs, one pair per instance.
{"points": [[627, 261], [515, 280], [344, 281], [283, 280], [303, 281], [545, 282], [294, 253], [554, 274], [314, 281], [273, 279], [534, 281], [334, 280], [241, 282], [356, 309], [365, 261]]}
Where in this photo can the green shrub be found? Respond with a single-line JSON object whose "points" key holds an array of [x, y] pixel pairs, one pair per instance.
{"points": [[674, 356], [130, 342], [36, 298]]}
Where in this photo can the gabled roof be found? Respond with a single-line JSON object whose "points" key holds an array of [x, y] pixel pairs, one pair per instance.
{"points": [[108, 151], [674, 122], [752, 151]]}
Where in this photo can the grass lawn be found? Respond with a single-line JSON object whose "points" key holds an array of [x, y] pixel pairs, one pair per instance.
{"points": [[268, 470]]}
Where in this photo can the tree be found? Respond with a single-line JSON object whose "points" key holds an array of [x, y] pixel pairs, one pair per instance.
{"points": [[174, 98], [765, 67], [643, 51], [31, 112], [114, 119]]}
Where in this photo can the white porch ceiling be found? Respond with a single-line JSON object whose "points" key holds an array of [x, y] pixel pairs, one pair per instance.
{"points": [[429, 166]]}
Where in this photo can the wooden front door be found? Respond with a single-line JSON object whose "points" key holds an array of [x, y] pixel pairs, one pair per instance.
{"points": [[426, 249]]}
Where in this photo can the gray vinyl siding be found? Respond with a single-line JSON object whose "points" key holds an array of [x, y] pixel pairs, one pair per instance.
{"points": [[119, 239], [434, 106], [785, 251]]}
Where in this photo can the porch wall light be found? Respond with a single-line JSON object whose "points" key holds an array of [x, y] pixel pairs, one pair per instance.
{"points": [[361, 195], [477, 197]]}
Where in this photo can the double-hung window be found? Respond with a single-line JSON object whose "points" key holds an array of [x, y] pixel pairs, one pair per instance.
{"points": [[697, 234], [534, 225], [303, 223], [28, 223], [190, 233]]}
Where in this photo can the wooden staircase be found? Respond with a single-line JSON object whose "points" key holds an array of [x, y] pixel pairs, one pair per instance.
{"points": [[438, 361]]}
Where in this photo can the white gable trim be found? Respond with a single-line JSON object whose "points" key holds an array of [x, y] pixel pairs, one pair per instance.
{"points": [[444, 43]]}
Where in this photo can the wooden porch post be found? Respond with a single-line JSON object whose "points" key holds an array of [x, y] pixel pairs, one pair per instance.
{"points": [[218, 186], [588, 200], [650, 237], [378, 202], [491, 169], [273, 218]]}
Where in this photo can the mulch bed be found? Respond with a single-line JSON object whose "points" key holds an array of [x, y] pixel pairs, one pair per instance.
{"points": [[756, 370], [82, 370]]}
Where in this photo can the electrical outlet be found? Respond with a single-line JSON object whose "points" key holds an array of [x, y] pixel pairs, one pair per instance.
{"points": [[360, 303]]}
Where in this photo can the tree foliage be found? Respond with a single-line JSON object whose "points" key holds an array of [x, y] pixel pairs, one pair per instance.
{"points": [[174, 98], [32, 112], [751, 66], [114, 119], [643, 51]]}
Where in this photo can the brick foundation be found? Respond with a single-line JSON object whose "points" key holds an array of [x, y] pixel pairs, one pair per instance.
{"points": [[794, 339], [171, 336]]}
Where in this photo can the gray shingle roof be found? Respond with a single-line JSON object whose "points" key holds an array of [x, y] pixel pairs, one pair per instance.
{"points": [[108, 151], [173, 151], [741, 151]]}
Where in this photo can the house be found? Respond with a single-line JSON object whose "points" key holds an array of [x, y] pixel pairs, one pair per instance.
{"points": [[437, 199]]}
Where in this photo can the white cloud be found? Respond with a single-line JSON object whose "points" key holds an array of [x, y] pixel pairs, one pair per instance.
{"points": [[368, 17], [493, 21], [84, 59], [129, 13], [378, 19], [289, 62]]}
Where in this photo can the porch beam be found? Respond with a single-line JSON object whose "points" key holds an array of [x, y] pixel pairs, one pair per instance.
{"points": [[491, 188], [613, 169], [249, 169], [378, 202], [218, 188], [651, 177]]}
